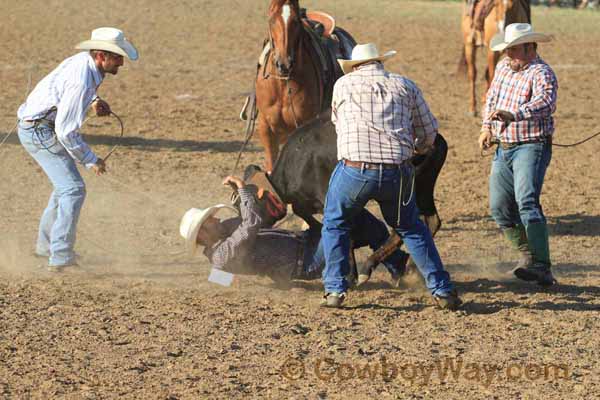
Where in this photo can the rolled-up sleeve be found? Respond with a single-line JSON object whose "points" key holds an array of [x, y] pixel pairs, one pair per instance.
{"points": [[69, 117]]}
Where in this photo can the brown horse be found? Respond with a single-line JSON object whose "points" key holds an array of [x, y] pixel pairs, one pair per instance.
{"points": [[292, 85], [504, 12]]}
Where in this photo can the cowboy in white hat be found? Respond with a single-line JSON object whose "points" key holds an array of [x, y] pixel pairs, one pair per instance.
{"points": [[246, 244], [49, 123], [380, 118], [518, 115]]}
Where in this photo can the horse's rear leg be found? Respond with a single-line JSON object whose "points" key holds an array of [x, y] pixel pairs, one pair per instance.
{"points": [[492, 60], [472, 74], [269, 142]]}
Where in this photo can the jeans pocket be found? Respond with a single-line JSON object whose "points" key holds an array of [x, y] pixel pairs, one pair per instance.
{"points": [[352, 184]]}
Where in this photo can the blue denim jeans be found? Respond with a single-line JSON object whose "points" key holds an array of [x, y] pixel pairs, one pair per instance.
{"points": [[516, 183], [57, 230], [367, 230], [349, 191]]}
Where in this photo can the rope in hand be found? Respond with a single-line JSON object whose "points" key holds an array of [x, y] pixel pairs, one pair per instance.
{"points": [[118, 138], [496, 141]]}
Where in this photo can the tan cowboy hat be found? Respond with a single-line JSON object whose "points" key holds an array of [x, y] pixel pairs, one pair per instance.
{"points": [[192, 222], [110, 39], [516, 34], [363, 53]]}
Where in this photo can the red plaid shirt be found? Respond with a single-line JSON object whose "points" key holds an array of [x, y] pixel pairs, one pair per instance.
{"points": [[530, 94]]}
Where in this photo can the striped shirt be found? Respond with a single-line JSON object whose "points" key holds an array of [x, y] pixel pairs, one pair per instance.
{"points": [[71, 88], [380, 117], [530, 94]]}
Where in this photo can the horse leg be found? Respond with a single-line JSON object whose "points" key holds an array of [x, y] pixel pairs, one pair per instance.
{"points": [[492, 60], [269, 142], [472, 74]]}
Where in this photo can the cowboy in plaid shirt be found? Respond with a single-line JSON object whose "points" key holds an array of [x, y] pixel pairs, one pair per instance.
{"points": [[518, 116], [381, 119]]}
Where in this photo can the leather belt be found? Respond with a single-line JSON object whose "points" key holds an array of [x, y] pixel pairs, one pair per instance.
{"points": [[508, 146], [366, 165], [39, 121]]}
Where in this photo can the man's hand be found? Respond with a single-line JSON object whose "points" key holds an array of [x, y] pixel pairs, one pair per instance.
{"points": [[234, 181], [485, 139], [505, 116], [99, 168], [101, 108], [424, 151]]}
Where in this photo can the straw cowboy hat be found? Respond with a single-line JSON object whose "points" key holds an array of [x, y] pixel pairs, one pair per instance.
{"points": [[363, 53], [192, 222], [516, 34], [110, 39]]}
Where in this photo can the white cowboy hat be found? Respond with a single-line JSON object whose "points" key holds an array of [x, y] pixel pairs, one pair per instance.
{"points": [[110, 39], [192, 222], [516, 34], [363, 53]]}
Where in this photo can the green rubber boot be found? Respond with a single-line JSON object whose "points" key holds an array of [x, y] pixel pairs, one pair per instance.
{"points": [[537, 237], [518, 239]]}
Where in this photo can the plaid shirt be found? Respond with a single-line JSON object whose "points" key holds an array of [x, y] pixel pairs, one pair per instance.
{"points": [[530, 94], [248, 248], [380, 117]]}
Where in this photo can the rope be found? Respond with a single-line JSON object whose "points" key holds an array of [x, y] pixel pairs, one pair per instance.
{"points": [[484, 154], [118, 139], [249, 132], [26, 93], [576, 143]]}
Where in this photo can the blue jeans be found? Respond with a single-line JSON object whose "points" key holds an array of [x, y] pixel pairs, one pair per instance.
{"points": [[58, 225], [367, 230], [349, 191], [516, 183]]}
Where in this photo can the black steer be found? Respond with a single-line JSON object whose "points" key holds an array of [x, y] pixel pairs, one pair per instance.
{"points": [[301, 177], [301, 173]]}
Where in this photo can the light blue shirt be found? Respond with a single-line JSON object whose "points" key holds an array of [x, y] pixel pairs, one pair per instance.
{"points": [[71, 88]]}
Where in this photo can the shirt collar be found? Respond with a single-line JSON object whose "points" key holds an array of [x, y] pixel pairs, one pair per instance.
{"points": [[96, 74], [370, 66]]}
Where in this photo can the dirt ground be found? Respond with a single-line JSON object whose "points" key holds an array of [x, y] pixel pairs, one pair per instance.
{"points": [[140, 320]]}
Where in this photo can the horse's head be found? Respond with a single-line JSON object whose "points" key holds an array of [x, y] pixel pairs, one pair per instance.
{"points": [[285, 29]]}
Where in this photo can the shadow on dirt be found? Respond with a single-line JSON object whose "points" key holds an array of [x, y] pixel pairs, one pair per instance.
{"points": [[148, 144], [567, 297], [575, 224]]}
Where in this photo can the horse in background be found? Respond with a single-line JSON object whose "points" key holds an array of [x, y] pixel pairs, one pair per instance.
{"points": [[503, 13], [296, 72]]}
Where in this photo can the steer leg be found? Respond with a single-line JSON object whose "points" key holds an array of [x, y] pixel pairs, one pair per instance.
{"points": [[379, 255]]}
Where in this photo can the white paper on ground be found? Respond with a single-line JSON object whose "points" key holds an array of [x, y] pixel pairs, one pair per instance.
{"points": [[220, 277]]}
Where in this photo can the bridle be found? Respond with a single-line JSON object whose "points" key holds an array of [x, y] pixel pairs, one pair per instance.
{"points": [[283, 72]]}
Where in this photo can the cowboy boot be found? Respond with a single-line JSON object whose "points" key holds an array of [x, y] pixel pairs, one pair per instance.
{"points": [[518, 239], [537, 237]]}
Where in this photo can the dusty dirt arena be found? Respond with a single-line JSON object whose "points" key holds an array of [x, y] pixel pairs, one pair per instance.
{"points": [[141, 321]]}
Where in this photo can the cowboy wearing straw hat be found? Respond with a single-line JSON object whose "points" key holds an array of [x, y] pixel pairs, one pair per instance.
{"points": [[245, 244], [377, 116], [49, 123], [518, 115]]}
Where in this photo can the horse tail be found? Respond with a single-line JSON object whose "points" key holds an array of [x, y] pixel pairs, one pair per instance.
{"points": [[462, 63]]}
